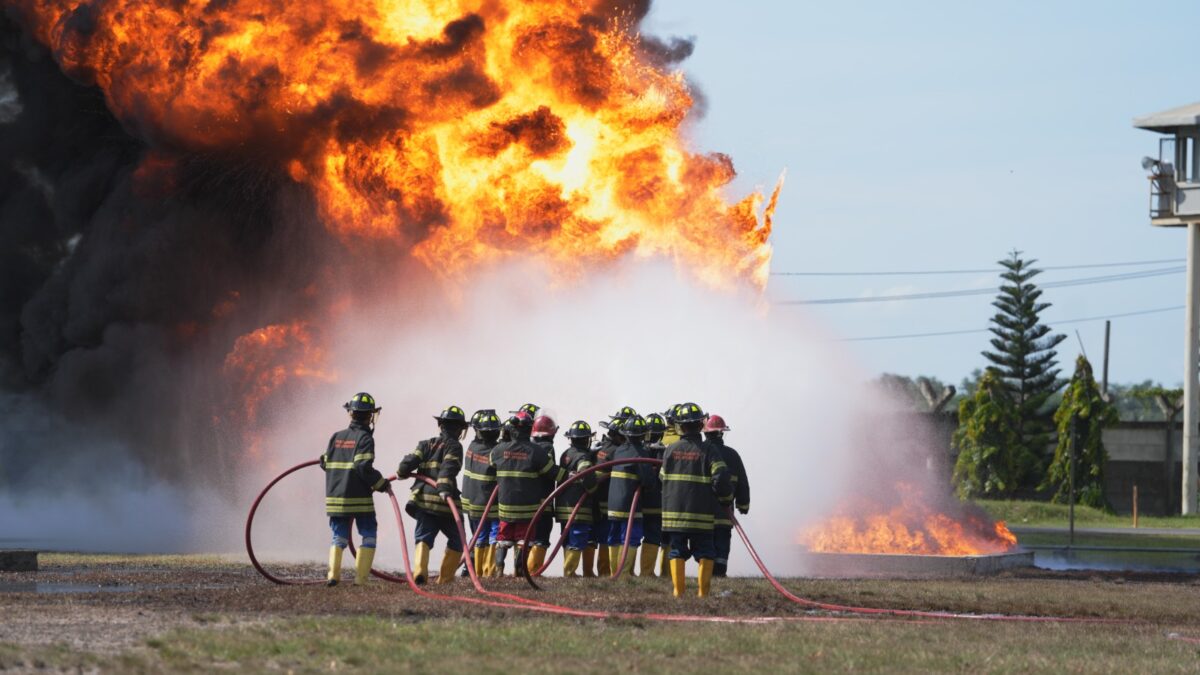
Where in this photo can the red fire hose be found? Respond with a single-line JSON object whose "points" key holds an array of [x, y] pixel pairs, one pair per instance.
{"points": [[628, 532], [517, 602]]}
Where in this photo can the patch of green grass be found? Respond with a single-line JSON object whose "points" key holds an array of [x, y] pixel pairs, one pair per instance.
{"points": [[1116, 540], [1045, 514], [507, 644]]}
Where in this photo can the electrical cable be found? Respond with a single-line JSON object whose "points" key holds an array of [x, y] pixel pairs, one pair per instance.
{"points": [[971, 331], [964, 292], [987, 270]]}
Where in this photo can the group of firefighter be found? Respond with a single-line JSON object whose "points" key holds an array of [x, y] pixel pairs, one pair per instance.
{"points": [[682, 509]]}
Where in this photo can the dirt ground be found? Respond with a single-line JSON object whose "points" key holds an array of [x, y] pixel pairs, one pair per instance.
{"points": [[83, 607]]}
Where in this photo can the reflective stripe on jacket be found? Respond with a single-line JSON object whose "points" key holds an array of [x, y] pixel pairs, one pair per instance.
{"points": [[350, 475], [440, 459], [479, 477], [695, 481], [526, 474]]}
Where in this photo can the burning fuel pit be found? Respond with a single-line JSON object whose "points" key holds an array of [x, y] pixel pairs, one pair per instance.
{"points": [[909, 530], [906, 565]]}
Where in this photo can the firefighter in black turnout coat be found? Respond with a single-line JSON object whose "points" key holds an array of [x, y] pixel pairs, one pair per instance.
{"points": [[714, 435], [695, 482], [479, 480], [623, 483], [579, 536], [652, 532], [439, 458], [526, 474], [350, 478]]}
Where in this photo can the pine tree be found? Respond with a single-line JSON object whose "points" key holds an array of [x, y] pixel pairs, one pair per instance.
{"points": [[1084, 408], [1025, 357], [991, 462]]}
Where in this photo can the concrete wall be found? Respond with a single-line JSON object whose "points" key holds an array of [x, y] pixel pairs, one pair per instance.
{"points": [[1137, 455]]}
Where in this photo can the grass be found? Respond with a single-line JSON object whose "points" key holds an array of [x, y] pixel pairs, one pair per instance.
{"points": [[1114, 540], [1045, 514], [507, 645]]}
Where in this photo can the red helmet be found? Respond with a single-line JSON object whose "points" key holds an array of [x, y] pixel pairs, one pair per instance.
{"points": [[715, 423], [544, 426]]}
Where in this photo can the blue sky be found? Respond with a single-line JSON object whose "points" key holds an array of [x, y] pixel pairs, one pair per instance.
{"points": [[941, 135]]}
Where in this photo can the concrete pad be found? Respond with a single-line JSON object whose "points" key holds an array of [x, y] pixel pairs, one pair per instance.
{"points": [[874, 565], [17, 560]]}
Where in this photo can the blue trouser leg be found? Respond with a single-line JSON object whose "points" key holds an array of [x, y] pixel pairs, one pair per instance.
{"points": [[579, 536], [340, 526], [481, 531], [616, 532], [368, 529]]}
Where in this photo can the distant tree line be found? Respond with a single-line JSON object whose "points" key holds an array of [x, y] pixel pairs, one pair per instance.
{"points": [[1011, 411]]}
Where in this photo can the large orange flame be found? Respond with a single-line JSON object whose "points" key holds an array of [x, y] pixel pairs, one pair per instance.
{"points": [[463, 131], [915, 526]]}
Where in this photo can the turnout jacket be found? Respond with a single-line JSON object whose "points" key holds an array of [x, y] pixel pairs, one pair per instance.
{"points": [[526, 474], [626, 479], [737, 481], [350, 474], [572, 461], [439, 458], [695, 482], [651, 500], [479, 477]]}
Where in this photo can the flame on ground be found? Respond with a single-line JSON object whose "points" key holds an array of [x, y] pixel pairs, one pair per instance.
{"points": [[912, 527], [462, 131]]}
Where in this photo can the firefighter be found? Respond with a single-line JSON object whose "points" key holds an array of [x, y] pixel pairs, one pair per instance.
{"points": [[544, 431], [669, 437], [695, 481], [574, 459], [350, 477], [439, 458], [612, 440], [479, 479], [671, 434], [524, 469], [714, 435], [652, 498], [623, 482]]}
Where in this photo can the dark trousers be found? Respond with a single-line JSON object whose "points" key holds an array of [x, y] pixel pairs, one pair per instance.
{"points": [[430, 524], [722, 539], [698, 545]]}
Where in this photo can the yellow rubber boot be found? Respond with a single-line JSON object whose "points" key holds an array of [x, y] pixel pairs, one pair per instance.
{"points": [[421, 574], [489, 564], [480, 560], [335, 566], [706, 571], [571, 559], [537, 556], [602, 568], [614, 558], [589, 561], [648, 560], [362, 565], [678, 576], [450, 561]]}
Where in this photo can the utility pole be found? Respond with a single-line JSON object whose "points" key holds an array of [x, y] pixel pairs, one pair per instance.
{"points": [[1104, 382], [1174, 179]]}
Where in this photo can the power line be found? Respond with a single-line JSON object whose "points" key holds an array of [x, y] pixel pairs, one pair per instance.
{"points": [[985, 330], [988, 270], [931, 295]]}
